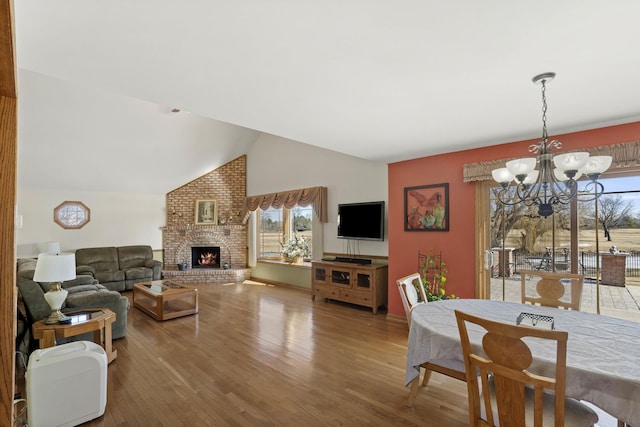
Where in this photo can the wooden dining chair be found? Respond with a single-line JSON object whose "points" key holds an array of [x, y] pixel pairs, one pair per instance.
{"points": [[410, 295], [502, 390], [550, 289], [407, 288]]}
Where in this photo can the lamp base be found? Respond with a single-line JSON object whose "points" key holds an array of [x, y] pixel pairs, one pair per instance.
{"points": [[55, 317], [55, 298]]}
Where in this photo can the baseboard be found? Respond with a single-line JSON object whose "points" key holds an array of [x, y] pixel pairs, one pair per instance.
{"points": [[395, 318], [281, 284]]}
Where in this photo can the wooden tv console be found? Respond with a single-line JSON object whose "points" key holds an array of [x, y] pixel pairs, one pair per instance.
{"points": [[359, 284]]}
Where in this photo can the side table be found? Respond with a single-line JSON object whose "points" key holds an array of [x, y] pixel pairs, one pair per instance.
{"points": [[97, 321]]}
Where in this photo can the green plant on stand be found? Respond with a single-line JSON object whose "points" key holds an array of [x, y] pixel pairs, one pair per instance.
{"points": [[433, 272]]}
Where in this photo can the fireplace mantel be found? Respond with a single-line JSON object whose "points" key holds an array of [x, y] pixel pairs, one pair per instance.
{"points": [[192, 227]]}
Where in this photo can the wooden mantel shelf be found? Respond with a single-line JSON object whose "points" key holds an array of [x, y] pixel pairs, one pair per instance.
{"points": [[193, 227]]}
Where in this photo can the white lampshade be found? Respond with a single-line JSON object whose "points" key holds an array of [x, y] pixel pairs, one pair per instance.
{"points": [[502, 175], [521, 166], [531, 177], [596, 164], [561, 176], [55, 267], [570, 161], [49, 247]]}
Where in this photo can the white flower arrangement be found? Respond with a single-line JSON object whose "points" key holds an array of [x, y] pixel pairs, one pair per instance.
{"points": [[295, 246]]}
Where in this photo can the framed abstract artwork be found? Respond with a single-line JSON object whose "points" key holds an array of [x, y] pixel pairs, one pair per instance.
{"points": [[426, 208]]}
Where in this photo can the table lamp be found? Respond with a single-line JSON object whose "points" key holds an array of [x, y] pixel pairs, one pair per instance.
{"points": [[54, 269], [49, 247]]}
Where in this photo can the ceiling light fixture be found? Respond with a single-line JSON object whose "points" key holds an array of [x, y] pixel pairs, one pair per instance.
{"points": [[549, 185]]}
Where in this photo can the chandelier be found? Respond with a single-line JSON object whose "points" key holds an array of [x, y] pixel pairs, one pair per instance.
{"points": [[554, 182]]}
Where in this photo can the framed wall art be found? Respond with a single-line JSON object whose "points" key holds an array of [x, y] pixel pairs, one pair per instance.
{"points": [[426, 208], [206, 212]]}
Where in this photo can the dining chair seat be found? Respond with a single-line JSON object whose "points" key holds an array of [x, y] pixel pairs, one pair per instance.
{"points": [[575, 413]]}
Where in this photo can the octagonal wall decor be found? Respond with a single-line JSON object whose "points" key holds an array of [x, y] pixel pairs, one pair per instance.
{"points": [[72, 215]]}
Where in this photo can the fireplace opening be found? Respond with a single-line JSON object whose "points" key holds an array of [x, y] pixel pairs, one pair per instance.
{"points": [[205, 257]]}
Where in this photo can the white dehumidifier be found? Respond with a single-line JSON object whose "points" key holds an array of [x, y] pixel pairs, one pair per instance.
{"points": [[66, 384]]}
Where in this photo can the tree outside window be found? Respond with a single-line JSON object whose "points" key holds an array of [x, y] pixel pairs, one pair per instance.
{"points": [[278, 225]]}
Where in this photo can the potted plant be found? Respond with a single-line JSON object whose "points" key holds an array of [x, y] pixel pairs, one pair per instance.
{"points": [[433, 271], [295, 249]]}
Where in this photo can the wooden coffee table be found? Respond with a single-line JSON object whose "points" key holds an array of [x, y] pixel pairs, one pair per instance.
{"points": [[165, 299], [97, 320]]}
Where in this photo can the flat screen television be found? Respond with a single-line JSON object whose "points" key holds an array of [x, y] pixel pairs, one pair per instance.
{"points": [[361, 221]]}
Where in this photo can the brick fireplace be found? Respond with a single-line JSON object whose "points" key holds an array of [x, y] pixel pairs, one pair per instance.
{"points": [[185, 242]]}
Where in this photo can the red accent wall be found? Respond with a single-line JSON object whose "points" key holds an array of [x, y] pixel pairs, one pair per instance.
{"points": [[457, 245]]}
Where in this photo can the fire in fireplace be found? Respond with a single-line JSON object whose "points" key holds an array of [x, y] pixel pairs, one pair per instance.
{"points": [[205, 257]]}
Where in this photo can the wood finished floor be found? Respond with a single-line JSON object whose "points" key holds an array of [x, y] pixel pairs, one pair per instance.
{"points": [[260, 355]]}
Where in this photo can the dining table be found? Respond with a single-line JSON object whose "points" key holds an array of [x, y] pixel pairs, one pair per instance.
{"points": [[603, 353]]}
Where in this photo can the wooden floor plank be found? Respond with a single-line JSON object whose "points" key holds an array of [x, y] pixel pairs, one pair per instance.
{"points": [[269, 356]]}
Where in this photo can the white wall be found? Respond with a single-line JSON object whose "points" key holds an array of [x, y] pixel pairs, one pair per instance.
{"points": [[72, 141], [277, 164], [117, 155], [117, 219], [74, 137]]}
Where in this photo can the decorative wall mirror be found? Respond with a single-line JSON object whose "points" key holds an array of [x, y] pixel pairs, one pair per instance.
{"points": [[71, 215]]}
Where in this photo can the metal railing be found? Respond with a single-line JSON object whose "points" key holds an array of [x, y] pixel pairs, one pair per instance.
{"points": [[519, 260]]}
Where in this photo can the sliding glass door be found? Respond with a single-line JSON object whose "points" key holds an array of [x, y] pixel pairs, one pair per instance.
{"points": [[513, 238]]}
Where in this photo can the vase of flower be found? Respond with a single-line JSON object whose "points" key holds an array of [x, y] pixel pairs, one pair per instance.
{"points": [[293, 259], [295, 250]]}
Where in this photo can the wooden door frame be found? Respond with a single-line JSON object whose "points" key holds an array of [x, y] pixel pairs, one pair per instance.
{"points": [[8, 191], [482, 274]]}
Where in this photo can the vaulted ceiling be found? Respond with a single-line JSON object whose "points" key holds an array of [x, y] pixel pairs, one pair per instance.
{"points": [[378, 79]]}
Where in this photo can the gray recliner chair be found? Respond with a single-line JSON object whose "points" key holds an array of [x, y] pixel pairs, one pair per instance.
{"points": [[119, 268], [83, 292]]}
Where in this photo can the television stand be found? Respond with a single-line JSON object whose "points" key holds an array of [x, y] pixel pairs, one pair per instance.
{"points": [[361, 261], [364, 285]]}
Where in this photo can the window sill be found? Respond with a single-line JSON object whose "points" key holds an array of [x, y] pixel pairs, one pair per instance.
{"points": [[288, 264]]}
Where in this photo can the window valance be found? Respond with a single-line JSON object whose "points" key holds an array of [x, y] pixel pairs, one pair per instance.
{"points": [[316, 196], [624, 155]]}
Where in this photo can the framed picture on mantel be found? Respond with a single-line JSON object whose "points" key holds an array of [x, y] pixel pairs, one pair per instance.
{"points": [[426, 208], [206, 212]]}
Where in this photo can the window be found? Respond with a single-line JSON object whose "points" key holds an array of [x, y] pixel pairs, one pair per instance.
{"points": [[270, 232], [71, 215], [570, 240], [277, 225]]}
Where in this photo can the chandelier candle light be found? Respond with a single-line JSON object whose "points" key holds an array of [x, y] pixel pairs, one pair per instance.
{"points": [[555, 180]]}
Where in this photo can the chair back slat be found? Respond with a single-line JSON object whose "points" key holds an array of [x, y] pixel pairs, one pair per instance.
{"points": [[550, 289], [407, 288], [498, 376]]}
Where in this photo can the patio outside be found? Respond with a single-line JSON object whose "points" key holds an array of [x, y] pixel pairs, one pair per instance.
{"points": [[616, 301]]}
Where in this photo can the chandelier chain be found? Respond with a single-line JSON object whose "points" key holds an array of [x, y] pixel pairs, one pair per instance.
{"points": [[544, 112]]}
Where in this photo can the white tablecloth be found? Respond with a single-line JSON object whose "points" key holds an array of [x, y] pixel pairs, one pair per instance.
{"points": [[603, 353]]}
